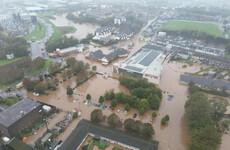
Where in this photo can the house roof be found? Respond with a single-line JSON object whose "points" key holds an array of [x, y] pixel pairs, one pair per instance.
{"points": [[205, 82], [19, 145], [155, 47], [96, 55], [84, 127], [103, 29], [17, 111]]}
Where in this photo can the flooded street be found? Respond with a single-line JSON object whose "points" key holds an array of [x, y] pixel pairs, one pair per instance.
{"points": [[82, 29]]}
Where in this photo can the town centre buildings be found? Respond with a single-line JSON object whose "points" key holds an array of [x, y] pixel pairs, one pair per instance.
{"points": [[146, 63]]}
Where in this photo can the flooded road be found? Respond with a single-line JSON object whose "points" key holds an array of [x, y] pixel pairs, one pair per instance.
{"points": [[82, 29]]}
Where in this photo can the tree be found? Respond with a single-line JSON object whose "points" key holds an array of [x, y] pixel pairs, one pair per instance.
{"points": [[29, 84], [165, 119], [147, 130], [69, 91], [127, 107], [154, 101], [143, 106], [96, 116], [114, 103], [154, 114], [64, 75], [101, 99], [94, 68], [206, 139], [219, 107], [88, 96], [128, 123], [71, 61], [137, 127], [114, 120], [41, 88], [75, 115]]}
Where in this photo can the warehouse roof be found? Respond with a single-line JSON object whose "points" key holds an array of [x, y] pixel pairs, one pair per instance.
{"points": [[84, 127], [17, 111]]}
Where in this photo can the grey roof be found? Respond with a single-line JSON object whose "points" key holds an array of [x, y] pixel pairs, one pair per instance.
{"points": [[205, 82], [103, 29], [153, 47], [12, 114], [147, 60], [19, 145], [140, 56], [96, 55], [115, 54], [134, 68], [84, 127]]}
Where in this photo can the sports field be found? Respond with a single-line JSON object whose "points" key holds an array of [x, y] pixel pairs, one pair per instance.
{"points": [[183, 25]]}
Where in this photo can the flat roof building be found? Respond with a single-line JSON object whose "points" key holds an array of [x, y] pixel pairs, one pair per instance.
{"points": [[19, 116], [145, 63], [129, 140]]}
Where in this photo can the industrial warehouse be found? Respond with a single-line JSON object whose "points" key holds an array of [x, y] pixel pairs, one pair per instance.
{"points": [[145, 63]]}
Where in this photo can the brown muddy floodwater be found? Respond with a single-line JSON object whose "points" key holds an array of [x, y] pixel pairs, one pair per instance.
{"points": [[82, 29]]}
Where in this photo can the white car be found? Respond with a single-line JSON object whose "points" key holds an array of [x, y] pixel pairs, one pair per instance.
{"points": [[125, 112], [118, 110], [35, 94]]}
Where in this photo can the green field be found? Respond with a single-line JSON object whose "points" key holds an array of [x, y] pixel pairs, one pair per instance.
{"points": [[6, 62], [37, 34], [48, 62], [183, 25], [67, 29]]}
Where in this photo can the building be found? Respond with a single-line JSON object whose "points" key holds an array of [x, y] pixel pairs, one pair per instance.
{"points": [[119, 19], [208, 83], [19, 116], [16, 144], [29, 17], [103, 32], [66, 51], [10, 56], [146, 63], [119, 137], [100, 57]]}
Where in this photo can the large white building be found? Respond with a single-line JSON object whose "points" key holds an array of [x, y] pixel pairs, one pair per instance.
{"points": [[119, 19], [103, 32], [146, 63]]}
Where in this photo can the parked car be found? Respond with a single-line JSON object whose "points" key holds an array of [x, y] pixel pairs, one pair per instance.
{"points": [[35, 94], [134, 116]]}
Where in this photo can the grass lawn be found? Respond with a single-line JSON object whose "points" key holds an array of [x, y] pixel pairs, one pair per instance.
{"points": [[6, 62], [205, 27], [9, 101], [67, 29], [227, 121], [228, 56], [48, 62], [38, 33]]}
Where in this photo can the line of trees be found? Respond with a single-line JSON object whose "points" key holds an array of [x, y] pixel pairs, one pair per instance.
{"points": [[83, 18], [15, 71], [143, 95], [16, 45], [142, 129], [203, 116]]}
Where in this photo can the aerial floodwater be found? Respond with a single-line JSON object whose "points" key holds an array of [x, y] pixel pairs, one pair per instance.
{"points": [[82, 29]]}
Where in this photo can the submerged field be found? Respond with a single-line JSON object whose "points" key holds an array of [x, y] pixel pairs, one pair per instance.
{"points": [[201, 27]]}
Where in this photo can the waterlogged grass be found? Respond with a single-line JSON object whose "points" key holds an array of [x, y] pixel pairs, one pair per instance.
{"points": [[67, 29], [201, 27], [38, 34], [6, 62]]}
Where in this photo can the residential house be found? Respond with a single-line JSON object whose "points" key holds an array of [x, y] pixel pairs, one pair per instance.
{"points": [[103, 32], [119, 19]]}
